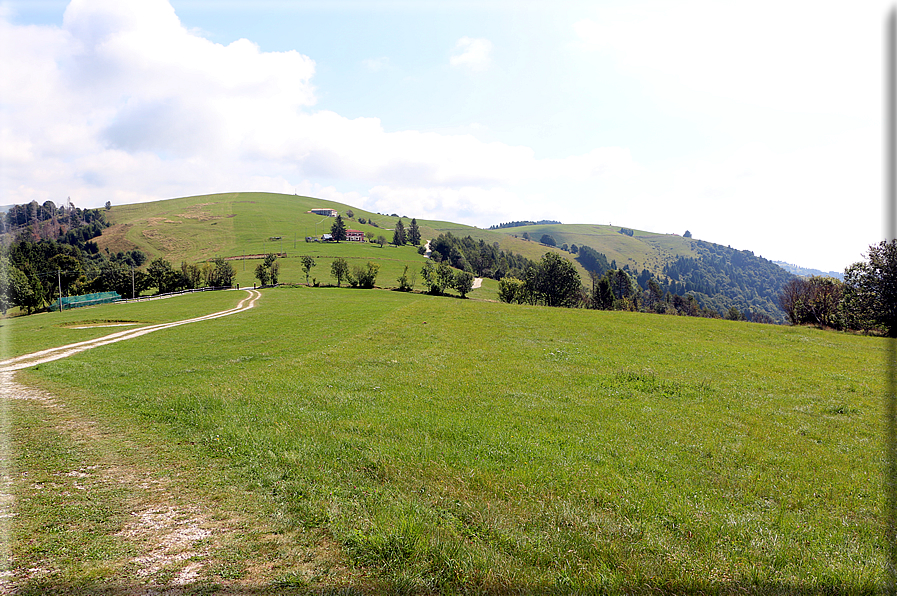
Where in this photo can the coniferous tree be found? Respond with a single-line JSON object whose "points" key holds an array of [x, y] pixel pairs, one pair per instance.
{"points": [[398, 234], [414, 233], [338, 229]]}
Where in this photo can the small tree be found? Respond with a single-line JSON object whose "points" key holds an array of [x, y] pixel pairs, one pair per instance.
{"points": [[463, 282], [548, 240], [339, 269], [261, 273], [307, 263], [350, 214], [192, 274], [406, 282], [414, 233], [164, 276], [221, 273], [381, 240], [338, 229], [437, 278], [398, 234], [687, 234], [273, 267], [444, 277]]}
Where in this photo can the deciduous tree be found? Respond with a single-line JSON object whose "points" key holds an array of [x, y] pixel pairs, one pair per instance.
{"points": [[339, 269], [463, 282], [307, 264]]}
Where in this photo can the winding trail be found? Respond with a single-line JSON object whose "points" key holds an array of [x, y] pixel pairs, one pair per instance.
{"points": [[51, 354]]}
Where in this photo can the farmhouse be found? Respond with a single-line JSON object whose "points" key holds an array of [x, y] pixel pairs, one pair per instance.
{"points": [[327, 212], [354, 235]]}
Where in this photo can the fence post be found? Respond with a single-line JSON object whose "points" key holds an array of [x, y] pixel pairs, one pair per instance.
{"points": [[59, 279]]}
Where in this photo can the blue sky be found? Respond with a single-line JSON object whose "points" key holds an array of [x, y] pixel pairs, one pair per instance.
{"points": [[752, 124]]}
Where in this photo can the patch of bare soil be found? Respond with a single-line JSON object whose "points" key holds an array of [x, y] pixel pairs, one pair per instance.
{"points": [[114, 239], [173, 538], [180, 537]]}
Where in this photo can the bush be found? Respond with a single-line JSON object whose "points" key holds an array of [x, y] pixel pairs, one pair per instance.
{"points": [[364, 277], [510, 290]]}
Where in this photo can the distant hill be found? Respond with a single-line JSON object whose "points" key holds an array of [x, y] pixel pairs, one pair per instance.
{"points": [[805, 272], [231, 224]]}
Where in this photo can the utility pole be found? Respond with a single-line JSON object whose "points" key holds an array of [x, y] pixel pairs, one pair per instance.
{"points": [[59, 279]]}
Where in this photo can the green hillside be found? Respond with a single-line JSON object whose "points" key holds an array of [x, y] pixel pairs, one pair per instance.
{"points": [[234, 224]]}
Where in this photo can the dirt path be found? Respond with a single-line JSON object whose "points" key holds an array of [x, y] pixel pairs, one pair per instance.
{"points": [[51, 354], [173, 536]]}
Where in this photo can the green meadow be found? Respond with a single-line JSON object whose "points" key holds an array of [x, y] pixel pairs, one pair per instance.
{"points": [[376, 441], [232, 224]]}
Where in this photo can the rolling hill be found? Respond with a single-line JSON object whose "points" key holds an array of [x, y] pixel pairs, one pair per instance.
{"points": [[232, 224]]}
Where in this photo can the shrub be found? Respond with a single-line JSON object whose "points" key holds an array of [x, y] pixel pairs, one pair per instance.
{"points": [[364, 277]]}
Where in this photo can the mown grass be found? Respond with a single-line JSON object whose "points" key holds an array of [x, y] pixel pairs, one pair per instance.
{"points": [[453, 445], [24, 335]]}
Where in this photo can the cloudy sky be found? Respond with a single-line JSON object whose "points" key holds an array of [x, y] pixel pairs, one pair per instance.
{"points": [[753, 124]]}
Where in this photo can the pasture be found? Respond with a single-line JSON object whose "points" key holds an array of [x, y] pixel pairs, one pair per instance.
{"points": [[379, 441]]}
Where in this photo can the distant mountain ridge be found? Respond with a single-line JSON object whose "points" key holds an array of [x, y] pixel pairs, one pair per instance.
{"points": [[807, 272]]}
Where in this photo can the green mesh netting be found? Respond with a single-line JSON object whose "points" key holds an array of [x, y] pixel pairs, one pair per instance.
{"points": [[86, 300]]}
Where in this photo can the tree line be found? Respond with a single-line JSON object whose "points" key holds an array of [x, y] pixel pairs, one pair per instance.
{"points": [[517, 224], [865, 301], [477, 256], [33, 274], [554, 281]]}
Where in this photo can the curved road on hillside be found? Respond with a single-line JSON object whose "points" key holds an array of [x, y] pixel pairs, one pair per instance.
{"points": [[51, 354]]}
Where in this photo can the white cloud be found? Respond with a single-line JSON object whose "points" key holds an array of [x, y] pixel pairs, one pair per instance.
{"points": [[121, 104], [376, 64], [475, 54], [764, 53]]}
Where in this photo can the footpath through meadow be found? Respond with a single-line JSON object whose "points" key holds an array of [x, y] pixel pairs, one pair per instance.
{"points": [[51, 354]]}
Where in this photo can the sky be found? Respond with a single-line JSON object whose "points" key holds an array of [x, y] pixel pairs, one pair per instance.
{"points": [[752, 124]]}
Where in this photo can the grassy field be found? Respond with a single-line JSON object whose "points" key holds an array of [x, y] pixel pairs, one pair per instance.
{"points": [[379, 441]]}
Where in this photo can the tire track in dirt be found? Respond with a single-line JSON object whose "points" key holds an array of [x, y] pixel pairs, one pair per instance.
{"points": [[49, 355]]}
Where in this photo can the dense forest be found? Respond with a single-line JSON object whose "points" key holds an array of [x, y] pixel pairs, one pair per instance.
{"points": [[477, 256]]}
